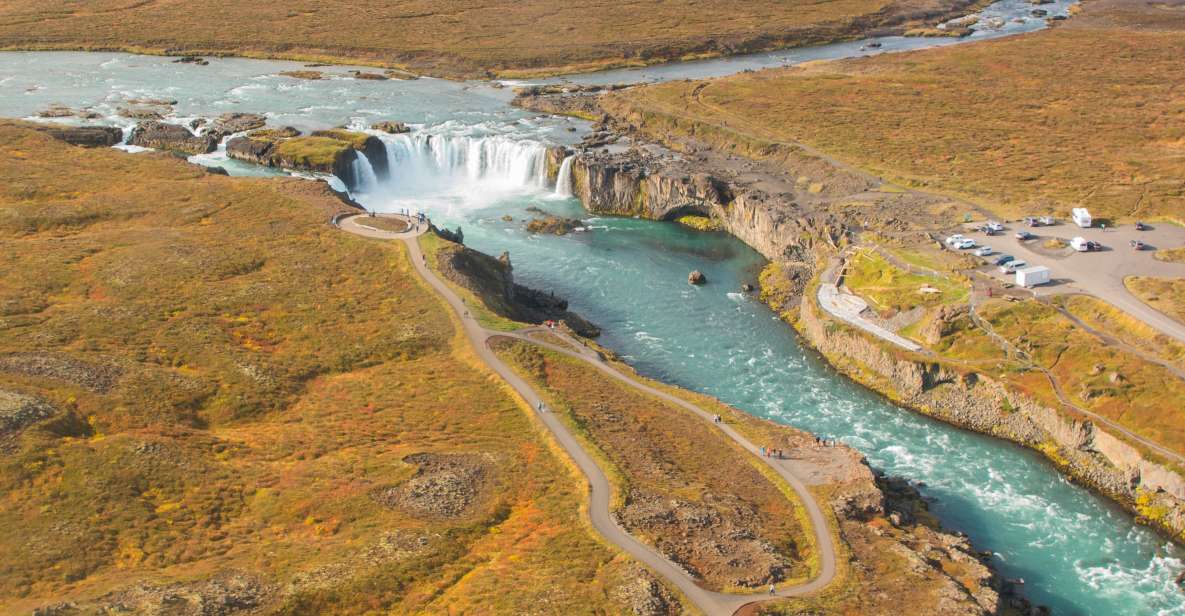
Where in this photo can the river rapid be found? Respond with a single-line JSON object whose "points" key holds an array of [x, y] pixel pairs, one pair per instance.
{"points": [[472, 159]]}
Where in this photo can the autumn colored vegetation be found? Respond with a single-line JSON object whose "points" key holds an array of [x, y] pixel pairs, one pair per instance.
{"points": [[453, 37], [1079, 114], [202, 381]]}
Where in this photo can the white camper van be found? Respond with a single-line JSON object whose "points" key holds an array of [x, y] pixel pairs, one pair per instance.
{"points": [[1081, 217]]}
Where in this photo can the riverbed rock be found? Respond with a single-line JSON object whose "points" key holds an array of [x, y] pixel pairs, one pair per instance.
{"points": [[195, 60], [235, 122], [696, 277], [391, 127], [554, 225], [258, 151], [369, 76], [174, 137]]}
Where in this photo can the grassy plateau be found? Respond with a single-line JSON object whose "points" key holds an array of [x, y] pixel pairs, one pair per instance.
{"points": [[452, 37], [1083, 113]]}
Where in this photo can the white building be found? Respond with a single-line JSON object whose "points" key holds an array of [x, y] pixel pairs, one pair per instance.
{"points": [[1081, 217], [1032, 276]]}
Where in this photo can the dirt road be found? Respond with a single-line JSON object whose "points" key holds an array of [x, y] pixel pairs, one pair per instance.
{"points": [[709, 602]]}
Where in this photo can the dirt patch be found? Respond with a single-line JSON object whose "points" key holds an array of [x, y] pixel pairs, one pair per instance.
{"points": [[705, 542], [229, 592], [98, 378], [445, 486]]}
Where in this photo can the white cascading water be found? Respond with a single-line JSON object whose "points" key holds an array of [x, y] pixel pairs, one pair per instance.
{"points": [[364, 179], [563, 181], [497, 160]]}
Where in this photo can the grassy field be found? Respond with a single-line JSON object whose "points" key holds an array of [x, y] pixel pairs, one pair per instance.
{"points": [[210, 381], [1080, 114], [450, 37], [890, 290], [1164, 294], [1140, 395], [1106, 318], [680, 459]]}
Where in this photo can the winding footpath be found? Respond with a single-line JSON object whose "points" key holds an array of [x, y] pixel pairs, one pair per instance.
{"points": [[709, 602]]}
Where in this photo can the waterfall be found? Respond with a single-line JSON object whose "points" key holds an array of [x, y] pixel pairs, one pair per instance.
{"points": [[363, 178], [424, 158], [563, 181]]}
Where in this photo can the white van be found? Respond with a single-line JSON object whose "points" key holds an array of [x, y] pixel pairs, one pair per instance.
{"points": [[1080, 244], [1011, 266], [1081, 217]]}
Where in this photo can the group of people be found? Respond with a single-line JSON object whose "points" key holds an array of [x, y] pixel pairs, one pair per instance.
{"points": [[717, 419], [825, 442], [772, 453]]}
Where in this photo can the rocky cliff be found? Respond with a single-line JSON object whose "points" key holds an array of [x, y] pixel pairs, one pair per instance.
{"points": [[492, 280], [1155, 494], [664, 186], [793, 206]]}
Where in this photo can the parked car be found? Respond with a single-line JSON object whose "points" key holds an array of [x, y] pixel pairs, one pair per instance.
{"points": [[1032, 221], [954, 239], [1140, 226], [1080, 244], [1048, 220], [1024, 235], [1093, 246], [1011, 266], [993, 226], [966, 243], [1138, 245], [983, 251], [1002, 259]]}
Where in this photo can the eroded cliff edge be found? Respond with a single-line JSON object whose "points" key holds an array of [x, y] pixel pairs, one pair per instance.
{"points": [[799, 209]]}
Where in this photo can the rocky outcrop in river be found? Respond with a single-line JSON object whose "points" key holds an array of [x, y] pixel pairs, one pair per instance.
{"points": [[331, 151], [174, 137]]}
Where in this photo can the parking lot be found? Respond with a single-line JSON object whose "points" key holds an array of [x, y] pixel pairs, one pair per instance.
{"points": [[1098, 273]]}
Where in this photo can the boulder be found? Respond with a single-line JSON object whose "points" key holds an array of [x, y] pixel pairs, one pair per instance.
{"points": [[140, 113], [56, 111], [230, 123], [391, 127], [258, 151], [174, 137], [369, 76], [696, 277], [1039, 12]]}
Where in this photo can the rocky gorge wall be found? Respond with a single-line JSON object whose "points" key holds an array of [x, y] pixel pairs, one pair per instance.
{"points": [[657, 189], [1155, 494], [792, 229]]}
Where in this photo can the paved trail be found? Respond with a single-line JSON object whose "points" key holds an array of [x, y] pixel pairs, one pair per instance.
{"points": [[709, 602]]}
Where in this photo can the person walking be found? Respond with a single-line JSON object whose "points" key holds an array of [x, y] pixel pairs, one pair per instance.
{"points": [[772, 589]]}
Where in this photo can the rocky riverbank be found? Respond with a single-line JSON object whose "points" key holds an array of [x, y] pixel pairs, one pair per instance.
{"points": [[798, 208], [972, 400]]}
